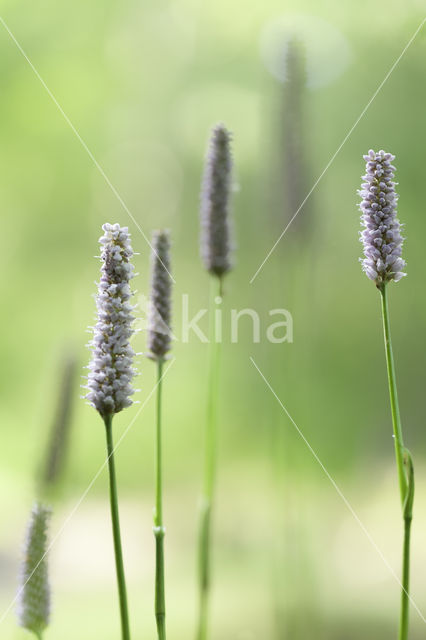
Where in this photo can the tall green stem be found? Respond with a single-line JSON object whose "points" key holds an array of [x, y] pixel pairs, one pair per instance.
{"points": [[159, 531], [204, 548], [404, 466], [119, 566], [396, 419], [403, 622]]}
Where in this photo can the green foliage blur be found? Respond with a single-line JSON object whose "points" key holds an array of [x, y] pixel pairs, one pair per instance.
{"points": [[142, 83]]}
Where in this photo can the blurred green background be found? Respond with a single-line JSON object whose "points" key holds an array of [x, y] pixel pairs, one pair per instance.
{"points": [[143, 82]]}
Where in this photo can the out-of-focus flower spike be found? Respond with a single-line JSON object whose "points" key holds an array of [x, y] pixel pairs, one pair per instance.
{"points": [[216, 244], [159, 317], [34, 592]]}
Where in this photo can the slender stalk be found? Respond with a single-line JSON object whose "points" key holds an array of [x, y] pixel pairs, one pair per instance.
{"points": [[404, 466], [403, 622], [119, 566], [204, 550], [396, 419], [408, 517], [159, 531]]}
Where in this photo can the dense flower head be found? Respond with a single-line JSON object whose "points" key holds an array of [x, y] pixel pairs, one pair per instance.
{"points": [[159, 318], [110, 369], [33, 608], [215, 196], [381, 236]]}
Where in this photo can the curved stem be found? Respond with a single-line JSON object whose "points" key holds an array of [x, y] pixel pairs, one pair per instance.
{"points": [[204, 543], [159, 531], [119, 566], [405, 469]]}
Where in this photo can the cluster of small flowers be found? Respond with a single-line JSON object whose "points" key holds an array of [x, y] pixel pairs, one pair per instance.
{"points": [[110, 369], [381, 236], [159, 319]]}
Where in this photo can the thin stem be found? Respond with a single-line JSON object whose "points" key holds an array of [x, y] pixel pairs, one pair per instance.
{"points": [[408, 517], [204, 550], [405, 470], [119, 566], [403, 621], [396, 419], [214, 365], [159, 531]]}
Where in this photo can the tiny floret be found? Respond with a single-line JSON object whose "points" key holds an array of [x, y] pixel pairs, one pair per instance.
{"points": [[381, 236], [159, 317], [110, 369], [215, 196], [34, 592]]}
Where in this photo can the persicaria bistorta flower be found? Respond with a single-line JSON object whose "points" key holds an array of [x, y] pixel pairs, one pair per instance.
{"points": [[215, 196], [34, 592], [381, 236], [110, 369], [159, 318]]}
